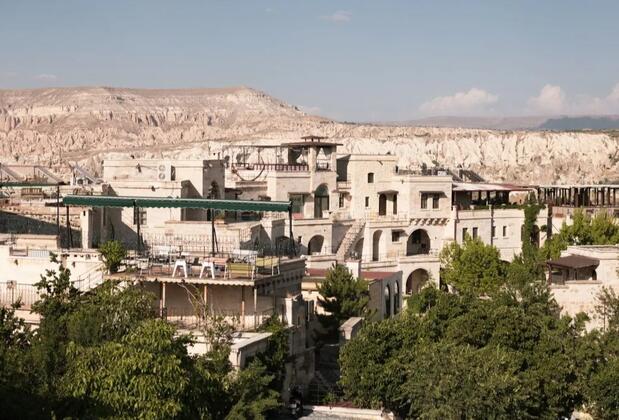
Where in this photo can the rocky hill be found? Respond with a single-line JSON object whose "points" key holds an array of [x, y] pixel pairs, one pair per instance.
{"points": [[55, 126]]}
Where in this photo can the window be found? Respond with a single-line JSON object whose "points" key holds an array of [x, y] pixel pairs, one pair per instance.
{"points": [[465, 232], [435, 197], [298, 200], [493, 231], [139, 213], [367, 202], [504, 231], [371, 178], [395, 204], [395, 235], [474, 233], [172, 173], [341, 200]]}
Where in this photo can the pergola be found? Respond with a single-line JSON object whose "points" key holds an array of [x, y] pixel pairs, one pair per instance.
{"points": [[43, 184], [183, 203]]}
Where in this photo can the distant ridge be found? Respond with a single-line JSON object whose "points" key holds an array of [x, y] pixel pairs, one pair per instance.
{"points": [[554, 123]]}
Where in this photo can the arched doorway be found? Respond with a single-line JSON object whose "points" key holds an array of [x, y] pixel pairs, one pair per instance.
{"points": [[416, 281], [321, 201], [396, 298], [359, 249], [382, 205], [418, 243], [314, 246], [376, 245], [387, 301]]}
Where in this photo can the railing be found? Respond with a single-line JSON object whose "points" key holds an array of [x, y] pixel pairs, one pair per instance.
{"points": [[186, 316], [278, 167], [12, 292], [29, 252]]}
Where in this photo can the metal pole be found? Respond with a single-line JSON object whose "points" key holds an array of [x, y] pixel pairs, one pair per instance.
{"points": [[212, 231], [58, 211], [136, 213], [69, 238], [292, 247]]}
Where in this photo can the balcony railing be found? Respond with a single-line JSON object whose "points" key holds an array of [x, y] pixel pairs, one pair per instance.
{"points": [[187, 317], [277, 167]]}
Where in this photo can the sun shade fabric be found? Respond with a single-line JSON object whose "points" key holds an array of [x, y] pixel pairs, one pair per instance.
{"points": [[17, 184], [183, 203]]}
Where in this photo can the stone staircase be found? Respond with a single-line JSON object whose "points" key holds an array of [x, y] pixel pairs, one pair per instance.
{"points": [[350, 239]]}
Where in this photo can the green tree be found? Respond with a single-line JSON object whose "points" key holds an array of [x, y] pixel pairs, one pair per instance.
{"points": [[601, 229], [342, 296], [462, 356], [473, 266], [144, 375], [18, 390], [113, 253], [58, 300], [109, 313]]}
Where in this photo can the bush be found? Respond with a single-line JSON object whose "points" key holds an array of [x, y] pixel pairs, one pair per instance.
{"points": [[113, 253]]}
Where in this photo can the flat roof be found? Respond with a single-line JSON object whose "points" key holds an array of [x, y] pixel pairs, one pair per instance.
{"points": [[365, 274], [486, 186], [310, 144], [164, 202]]}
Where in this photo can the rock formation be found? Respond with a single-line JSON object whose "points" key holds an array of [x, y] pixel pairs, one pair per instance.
{"points": [[55, 126]]}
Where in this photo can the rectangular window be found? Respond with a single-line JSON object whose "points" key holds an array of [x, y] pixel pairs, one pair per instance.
{"points": [[504, 231], [395, 204], [367, 202], [141, 213], [424, 200], [341, 201], [465, 232], [474, 233], [395, 236], [297, 203], [494, 231], [435, 201]]}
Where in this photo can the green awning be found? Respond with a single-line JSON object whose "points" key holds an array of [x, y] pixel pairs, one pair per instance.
{"points": [[183, 203], [20, 184]]}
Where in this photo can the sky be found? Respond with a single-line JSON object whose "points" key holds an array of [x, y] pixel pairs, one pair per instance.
{"points": [[356, 60]]}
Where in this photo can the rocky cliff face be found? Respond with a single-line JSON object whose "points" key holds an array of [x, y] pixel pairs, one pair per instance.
{"points": [[54, 126]]}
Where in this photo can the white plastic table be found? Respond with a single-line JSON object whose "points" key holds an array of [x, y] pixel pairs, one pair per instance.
{"points": [[181, 264], [208, 265]]}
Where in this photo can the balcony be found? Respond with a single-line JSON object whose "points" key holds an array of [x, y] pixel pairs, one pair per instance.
{"points": [[276, 167]]}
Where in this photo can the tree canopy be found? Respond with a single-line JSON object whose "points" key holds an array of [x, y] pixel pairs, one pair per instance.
{"points": [[342, 296], [105, 354], [473, 266], [600, 229]]}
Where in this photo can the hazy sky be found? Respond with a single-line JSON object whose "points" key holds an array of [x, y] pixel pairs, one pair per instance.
{"points": [[350, 60]]}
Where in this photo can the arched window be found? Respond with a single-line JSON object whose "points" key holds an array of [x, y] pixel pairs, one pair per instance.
{"points": [[321, 201], [387, 301], [371, 178], [396, 299]]}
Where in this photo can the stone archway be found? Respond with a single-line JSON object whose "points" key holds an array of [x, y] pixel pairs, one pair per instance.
{"points": [[387, 301], [418, 243], [358, 250], [314, 246], [416, 281]]}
